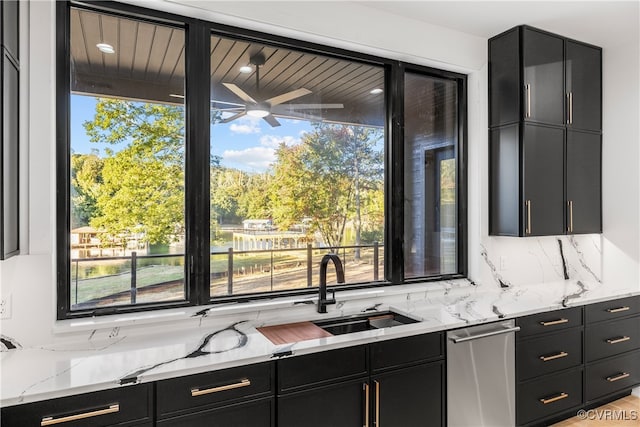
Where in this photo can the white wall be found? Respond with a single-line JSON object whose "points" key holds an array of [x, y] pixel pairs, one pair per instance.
{"points": [[30, 277]]}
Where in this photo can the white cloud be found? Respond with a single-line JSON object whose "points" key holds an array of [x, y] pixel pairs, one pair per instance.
{"points": [[244, 129], [273, 141], [251, 159]]}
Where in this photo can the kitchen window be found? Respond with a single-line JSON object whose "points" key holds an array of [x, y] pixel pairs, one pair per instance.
{"points": [[171, 195]]}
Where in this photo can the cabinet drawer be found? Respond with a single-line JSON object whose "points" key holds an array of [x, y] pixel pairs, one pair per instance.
{"points": [[550, 321], [612, 309], [321, 368], [211, 388], [612, 375], [551, 395], [125, 406], [548, 353], [611, 338], [402, 351]]}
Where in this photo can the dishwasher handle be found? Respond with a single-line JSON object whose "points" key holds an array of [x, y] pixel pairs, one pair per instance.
{"points": [[458, 340]]}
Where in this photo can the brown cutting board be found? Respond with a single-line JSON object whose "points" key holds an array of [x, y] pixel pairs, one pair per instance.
{"points": [[293, 332]]}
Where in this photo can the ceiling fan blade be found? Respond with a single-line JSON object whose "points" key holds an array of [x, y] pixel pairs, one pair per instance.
{"points": [[240, 93], [285, 97], [297, 115], [237, 104], [310, 106], [272, 121], [232, 118]]}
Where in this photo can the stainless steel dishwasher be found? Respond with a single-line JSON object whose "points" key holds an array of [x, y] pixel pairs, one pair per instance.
{"points": [[481, 375]]}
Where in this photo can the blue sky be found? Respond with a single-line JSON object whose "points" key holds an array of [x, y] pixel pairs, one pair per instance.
{"points": [[247, 143]]}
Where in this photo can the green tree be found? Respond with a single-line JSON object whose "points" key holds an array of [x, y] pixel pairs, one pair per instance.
{"points": [[86, 179], [325, 177], [142, 189], [228, 187], [255, 201]]}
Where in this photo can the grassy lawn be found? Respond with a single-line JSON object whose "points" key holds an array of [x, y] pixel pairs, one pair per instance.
{"points": [[252, 272]]}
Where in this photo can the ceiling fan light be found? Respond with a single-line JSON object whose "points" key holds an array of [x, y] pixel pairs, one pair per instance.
{"points": [[246, 69], [376, 91], [258, 112]]}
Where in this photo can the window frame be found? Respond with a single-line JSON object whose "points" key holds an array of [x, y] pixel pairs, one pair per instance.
{"points": [[197, 147]]}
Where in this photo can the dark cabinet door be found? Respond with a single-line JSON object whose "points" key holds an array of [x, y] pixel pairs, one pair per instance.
{"points": [[337, 405], [258, 413], [409, 397], [584, 86], [543, 62], [504, 79], [584, 183], [9, 207], [543, 181]]}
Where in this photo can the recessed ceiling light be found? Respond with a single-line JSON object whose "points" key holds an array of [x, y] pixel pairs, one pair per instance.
{"points": [[105, 48], [246, 69], [376, 91]]}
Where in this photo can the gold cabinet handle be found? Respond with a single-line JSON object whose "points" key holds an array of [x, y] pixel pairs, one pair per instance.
{"points": [[554, 356], [365, 386], [527, 88], [570, 228], [377, 421], [621, 376], [528, 205], [618, 310], [197, 392], [570, 96], [617, 340], [49, 421], [548, 400], [554, 322]]}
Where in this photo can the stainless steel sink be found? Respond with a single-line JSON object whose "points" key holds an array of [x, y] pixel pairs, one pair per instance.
{"points": [[365, 322]]}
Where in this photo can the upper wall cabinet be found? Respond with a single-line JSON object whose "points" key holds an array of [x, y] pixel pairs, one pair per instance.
{"points": [[539, 77], [545, 146], [583, 69], [9, 129]]}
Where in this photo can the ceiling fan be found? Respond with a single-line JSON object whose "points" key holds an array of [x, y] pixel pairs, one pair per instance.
{"points": [[268, 108]]}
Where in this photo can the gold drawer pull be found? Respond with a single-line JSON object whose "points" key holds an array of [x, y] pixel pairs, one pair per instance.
{"points": [[618, 310], [49, 421], [554, 322], [197, 392], [554, 399], [366, 404], [618, 377], [617, 340], [555, 356]]}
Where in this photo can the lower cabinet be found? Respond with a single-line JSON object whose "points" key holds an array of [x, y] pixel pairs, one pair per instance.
{"points": [[576, 358], [390, 383], [126, 406], [612, 375], [340, 405], [548, 396], [408, 397]]}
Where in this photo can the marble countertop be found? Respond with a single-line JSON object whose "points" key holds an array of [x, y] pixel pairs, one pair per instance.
{"points": [[224, 336]]}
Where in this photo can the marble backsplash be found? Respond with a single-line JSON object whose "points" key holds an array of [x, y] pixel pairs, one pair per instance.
{"points": [[508, 261]]}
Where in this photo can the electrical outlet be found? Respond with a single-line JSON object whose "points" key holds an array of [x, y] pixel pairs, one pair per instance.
{"points": [[5, 307], [504, 261]]}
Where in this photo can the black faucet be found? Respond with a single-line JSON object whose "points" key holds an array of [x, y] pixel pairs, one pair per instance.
{"points": [[323, 302]]}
